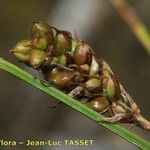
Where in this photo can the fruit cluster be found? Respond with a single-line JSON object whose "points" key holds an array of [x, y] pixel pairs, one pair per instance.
{"points": [[71, 65]]}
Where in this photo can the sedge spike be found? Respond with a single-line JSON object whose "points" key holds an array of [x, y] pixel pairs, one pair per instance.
{"points": [[71, 65]]}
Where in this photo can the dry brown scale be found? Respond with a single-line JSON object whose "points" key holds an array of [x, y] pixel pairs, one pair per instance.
{"points": [[72, 66]]}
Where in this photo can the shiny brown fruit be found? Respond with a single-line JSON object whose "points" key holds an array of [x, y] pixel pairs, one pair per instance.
{"points": [[99, 104], [64, 79], [82, 54], [49, 77]]}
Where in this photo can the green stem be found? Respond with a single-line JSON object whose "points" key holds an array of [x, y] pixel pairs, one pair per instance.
{"points": [[51, 91], [133, 21]]}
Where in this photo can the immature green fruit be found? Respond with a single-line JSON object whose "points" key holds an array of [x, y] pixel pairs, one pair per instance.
{"points": [[37, 58], [94, 68], [40, 42], [93, 85], [22, 57], [99, 104], [62, 42], [82, 54], [110, 85], [22, 49], [64, 79], [43, 30]]}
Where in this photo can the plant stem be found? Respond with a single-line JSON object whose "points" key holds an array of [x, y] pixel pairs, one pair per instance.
{"points": [[51, 91], [137, 27]]}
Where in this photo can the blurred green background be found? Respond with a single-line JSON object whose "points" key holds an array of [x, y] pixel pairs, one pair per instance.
{"points": [[24, 112]]}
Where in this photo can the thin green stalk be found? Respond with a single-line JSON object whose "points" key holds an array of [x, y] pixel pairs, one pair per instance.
{"points": [[133, 21], [51, 91]]}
